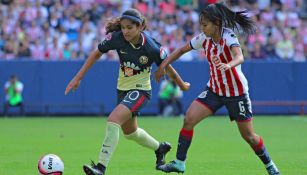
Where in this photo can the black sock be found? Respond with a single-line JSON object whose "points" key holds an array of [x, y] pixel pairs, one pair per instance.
{"points": [[184, 142]]}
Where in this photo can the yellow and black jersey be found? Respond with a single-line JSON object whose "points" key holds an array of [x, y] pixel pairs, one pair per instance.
{"points": [[135, 60]]}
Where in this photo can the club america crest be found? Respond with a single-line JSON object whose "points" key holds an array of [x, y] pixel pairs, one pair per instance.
{"points": [[143, 59]]}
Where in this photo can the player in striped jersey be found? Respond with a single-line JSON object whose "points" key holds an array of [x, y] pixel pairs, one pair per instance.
{"points": [[137, 52], [226, 86]]}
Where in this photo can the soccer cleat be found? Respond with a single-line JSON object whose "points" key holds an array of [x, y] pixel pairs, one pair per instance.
{"points": [[272, 170], [94, 169], [163, 149], [173, 166]]}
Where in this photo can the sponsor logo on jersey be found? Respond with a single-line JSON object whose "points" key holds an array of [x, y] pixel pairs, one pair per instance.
{"points": [[233, 35], [122, 51]]}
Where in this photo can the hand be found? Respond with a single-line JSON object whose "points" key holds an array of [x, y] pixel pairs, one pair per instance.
{"points": [[185, 86], [216, 60], [72, 85], [160, 72], [223, 66]]}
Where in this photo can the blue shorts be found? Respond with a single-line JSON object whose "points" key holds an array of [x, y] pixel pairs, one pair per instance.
{"points": [[134, 99], [239, 107]]}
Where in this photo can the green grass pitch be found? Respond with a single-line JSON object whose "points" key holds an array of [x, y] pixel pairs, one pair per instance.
{"points": [[217, 148]]}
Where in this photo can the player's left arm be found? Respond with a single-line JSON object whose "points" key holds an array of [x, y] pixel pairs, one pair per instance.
{"points": [[170, 71], [173, 74], [237, 59]]}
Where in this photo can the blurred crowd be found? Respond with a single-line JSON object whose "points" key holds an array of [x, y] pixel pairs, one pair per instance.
{"points": [[71, 29]]}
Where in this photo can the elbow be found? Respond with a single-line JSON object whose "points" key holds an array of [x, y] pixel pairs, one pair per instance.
{"points": [[242, 60], [96, 54]]}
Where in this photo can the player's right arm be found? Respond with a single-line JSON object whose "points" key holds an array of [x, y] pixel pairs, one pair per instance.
{"points": [[74, 83], [171, 58], [109, 43]]}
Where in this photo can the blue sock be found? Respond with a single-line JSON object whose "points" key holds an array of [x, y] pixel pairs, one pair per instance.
{"points": [[261, 152]]}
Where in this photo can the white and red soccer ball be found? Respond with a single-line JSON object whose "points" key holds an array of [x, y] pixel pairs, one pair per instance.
{"points": [[50, 164]]}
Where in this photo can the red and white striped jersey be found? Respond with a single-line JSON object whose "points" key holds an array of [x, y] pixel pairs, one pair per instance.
{"points": [[224, 83]]}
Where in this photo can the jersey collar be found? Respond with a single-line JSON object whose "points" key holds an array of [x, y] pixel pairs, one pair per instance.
{"points": [[143, 42]]}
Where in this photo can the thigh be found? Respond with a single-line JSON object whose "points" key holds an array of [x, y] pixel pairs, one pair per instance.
{"points": [[210, 100], [196, 113], [239, 108], [134, 100], [120, 115]]}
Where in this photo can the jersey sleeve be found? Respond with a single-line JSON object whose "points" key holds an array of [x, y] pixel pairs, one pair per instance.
{"points": [[197, 41], [19, 86], [7, 85], [160, 56], [232, 40], [109, 43]]}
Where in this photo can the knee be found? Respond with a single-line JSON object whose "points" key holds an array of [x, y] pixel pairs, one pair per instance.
{"points": [[251, 139], [189, 122], [133, 135]]}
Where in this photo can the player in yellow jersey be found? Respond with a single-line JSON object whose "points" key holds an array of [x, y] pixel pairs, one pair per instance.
{"points": [[137, 52]]}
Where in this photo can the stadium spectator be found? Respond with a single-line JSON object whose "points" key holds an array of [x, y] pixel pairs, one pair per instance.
{"points": [[13, 89], [169, 98], [258, 51], [137, 52], [285, 47], [66, 20], [24, 50], [166, 92], [227, 85], [177, 103]]}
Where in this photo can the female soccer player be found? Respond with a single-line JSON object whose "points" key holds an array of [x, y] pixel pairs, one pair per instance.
{"points": [[137, 52], [226, 86]]}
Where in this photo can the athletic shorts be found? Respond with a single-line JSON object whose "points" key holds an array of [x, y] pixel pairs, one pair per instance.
{"points": [[239, 107], [134, 99]]}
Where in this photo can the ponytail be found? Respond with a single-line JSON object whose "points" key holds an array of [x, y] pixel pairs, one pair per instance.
{"points": [[222, 16], [113, 25]]}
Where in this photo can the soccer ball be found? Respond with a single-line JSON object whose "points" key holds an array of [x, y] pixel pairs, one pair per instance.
{"points": [[50, 164]]}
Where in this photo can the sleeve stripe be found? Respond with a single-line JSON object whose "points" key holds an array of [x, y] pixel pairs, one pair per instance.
{"points": [[191, 45], [234, 45]]}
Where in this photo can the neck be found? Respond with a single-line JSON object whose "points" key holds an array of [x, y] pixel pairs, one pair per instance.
{"points": [[136, 40], [217, 36]]}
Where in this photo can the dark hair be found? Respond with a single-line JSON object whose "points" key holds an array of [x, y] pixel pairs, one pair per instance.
{"points": [[222, 16], [13, 76], [132, 14]]}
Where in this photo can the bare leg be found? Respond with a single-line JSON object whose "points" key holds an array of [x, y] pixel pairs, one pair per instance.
{"points": [[196, 113], [248, 134], [118, 117]]}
